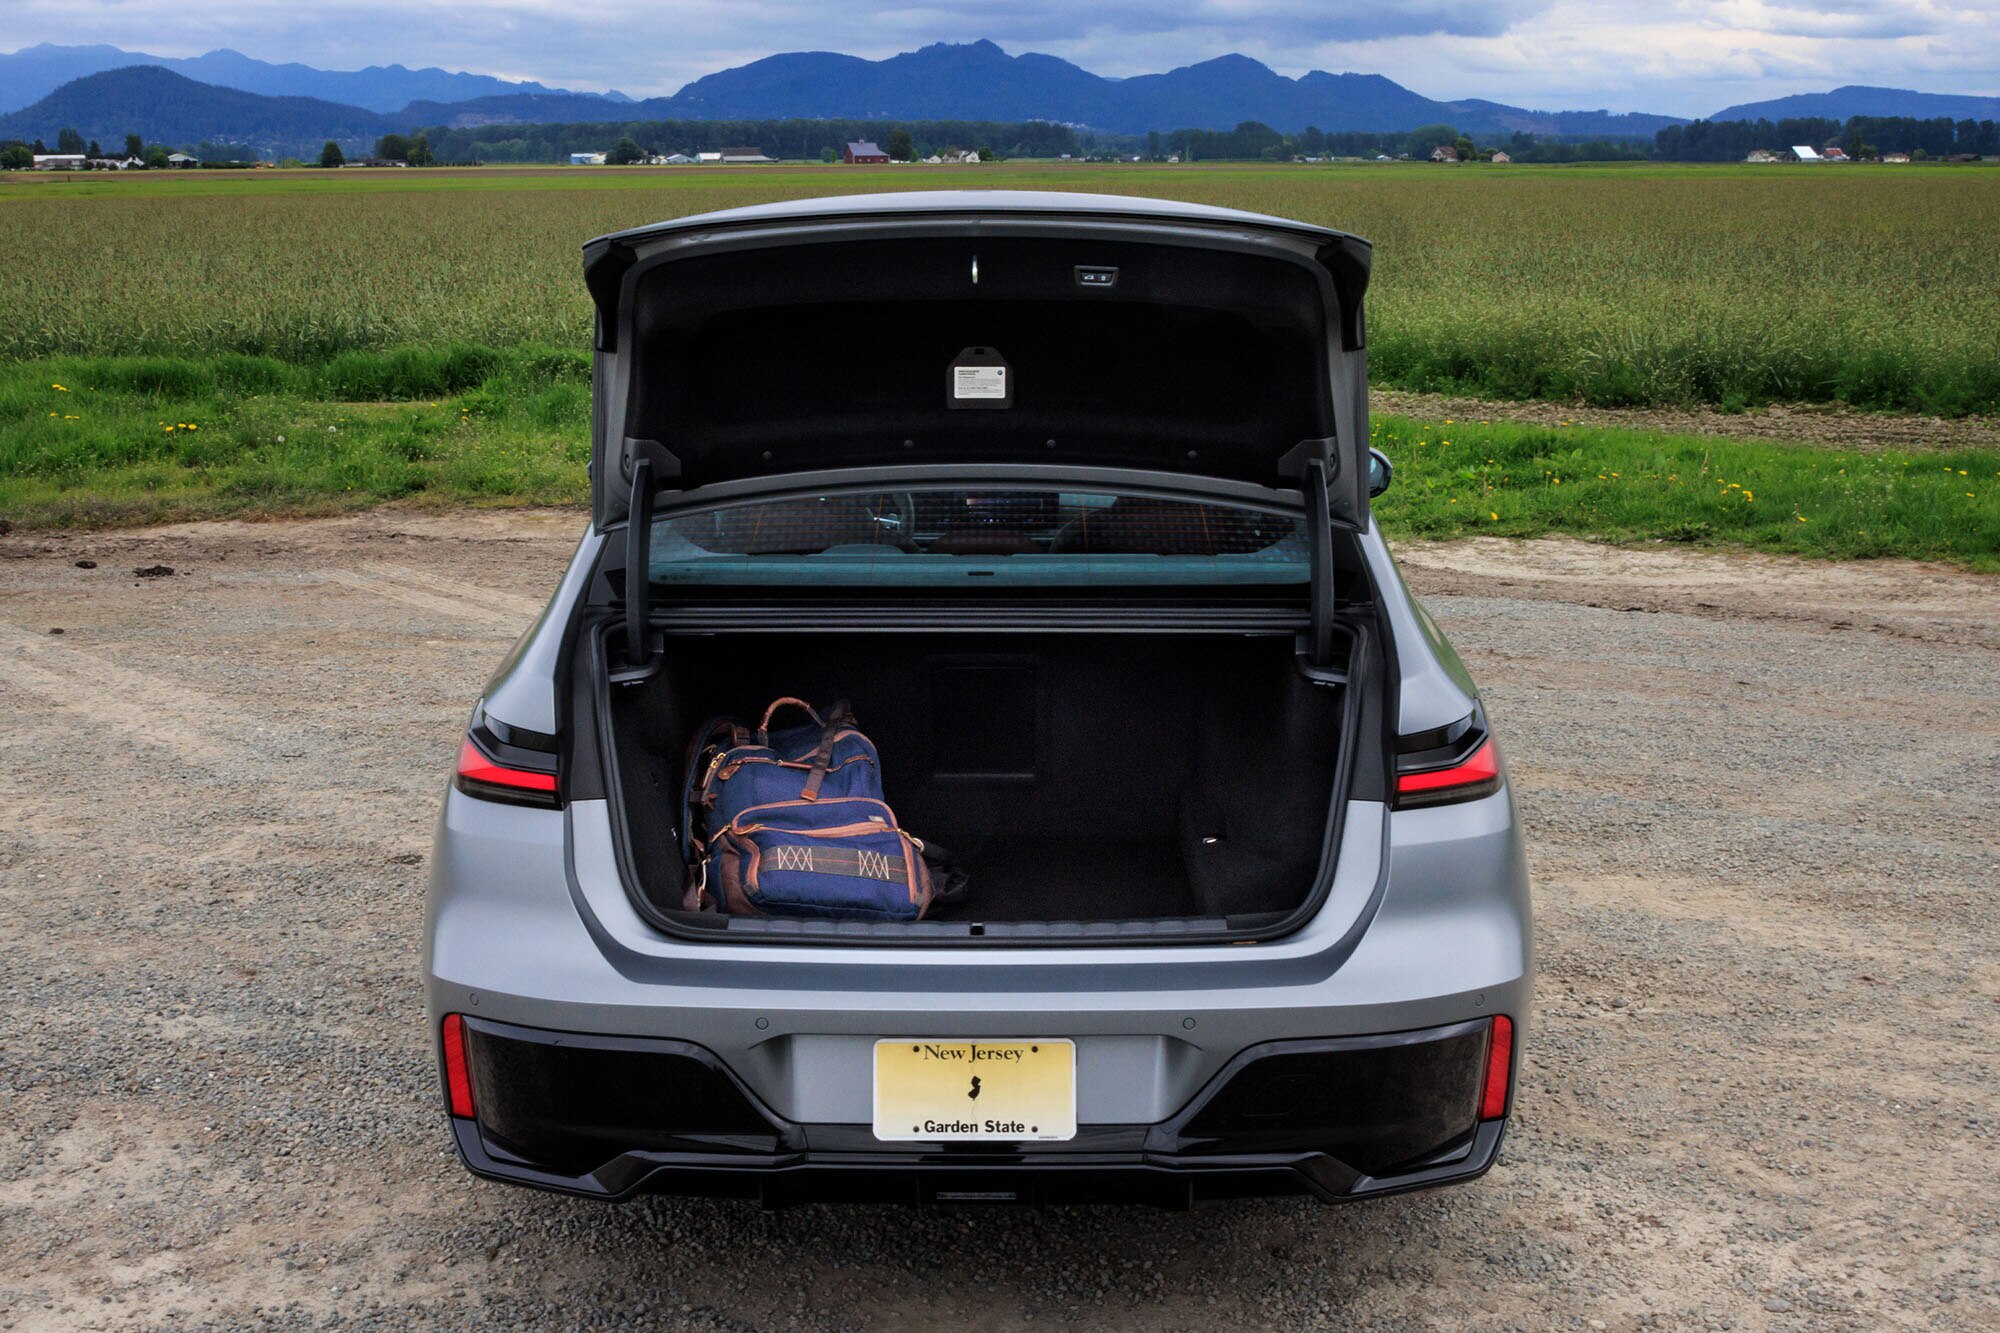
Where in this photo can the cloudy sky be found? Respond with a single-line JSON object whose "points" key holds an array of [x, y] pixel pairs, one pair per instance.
{"points": [[1681, 57]]}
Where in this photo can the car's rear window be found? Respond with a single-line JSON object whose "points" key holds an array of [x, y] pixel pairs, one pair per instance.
{"points": [[982, 537]]}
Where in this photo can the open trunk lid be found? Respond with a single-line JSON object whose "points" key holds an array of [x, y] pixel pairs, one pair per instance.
{"points": [[901, 331]]}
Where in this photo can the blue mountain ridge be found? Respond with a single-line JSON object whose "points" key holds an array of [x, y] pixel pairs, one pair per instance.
{"points": [[944, 81], [1861, 100], [34, 72]]}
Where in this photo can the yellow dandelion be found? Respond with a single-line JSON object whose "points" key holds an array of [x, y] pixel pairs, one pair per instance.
{"points": [[1496, 517], [1801, 517], [58, 388]]}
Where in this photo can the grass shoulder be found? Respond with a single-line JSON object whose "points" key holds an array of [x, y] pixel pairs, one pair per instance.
{"points": [[118, 441]]}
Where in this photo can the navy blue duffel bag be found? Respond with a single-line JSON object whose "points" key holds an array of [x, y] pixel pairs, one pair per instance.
{"points": [[795, 824]]}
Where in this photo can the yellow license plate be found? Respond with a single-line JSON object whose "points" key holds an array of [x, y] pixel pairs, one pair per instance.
{"points": [[930, 1090]]}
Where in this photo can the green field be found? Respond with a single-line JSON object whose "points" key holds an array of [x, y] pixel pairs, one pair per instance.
{"points": [[179, 345], [1616, 285]]}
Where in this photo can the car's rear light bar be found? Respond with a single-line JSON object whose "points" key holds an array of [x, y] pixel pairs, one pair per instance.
{"points": [[457, 1077], [494, 765], [1499, 1069], [1455, 763]]}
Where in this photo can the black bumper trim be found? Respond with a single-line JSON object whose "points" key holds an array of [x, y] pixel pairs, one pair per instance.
{"points": [[1171, 1163], [796, 1178]]}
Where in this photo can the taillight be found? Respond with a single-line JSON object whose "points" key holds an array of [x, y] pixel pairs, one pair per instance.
{"points": [[1455, 763], [494, 769], [1479, 769], [457, 1078], [1499, 1067]]}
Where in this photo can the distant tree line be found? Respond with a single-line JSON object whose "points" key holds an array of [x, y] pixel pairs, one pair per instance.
{"points": [[1698, 141], [1859, 136], [823, 140], [1253, 141], [19, 154], [808, 140]]}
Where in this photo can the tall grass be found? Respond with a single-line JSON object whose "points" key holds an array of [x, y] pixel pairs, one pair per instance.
{"points": [[1728, 286]]}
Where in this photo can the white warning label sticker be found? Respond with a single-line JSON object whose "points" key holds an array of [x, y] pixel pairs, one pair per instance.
{"points": [[979, 381]]}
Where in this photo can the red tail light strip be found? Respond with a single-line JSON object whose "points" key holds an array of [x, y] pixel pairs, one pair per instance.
{"points": [[1482, 765], [457, 1078], [1499, 1066], [476, 767]]}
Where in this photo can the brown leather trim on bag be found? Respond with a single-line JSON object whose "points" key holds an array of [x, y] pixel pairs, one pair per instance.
{"points": [[737, 881], [887, 819], [732, 766], [919, 874]]}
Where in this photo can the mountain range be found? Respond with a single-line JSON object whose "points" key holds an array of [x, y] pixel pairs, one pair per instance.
{"points": [[168, 108], [978, 80], [34, 72], [1860, 100], [292, 108]]}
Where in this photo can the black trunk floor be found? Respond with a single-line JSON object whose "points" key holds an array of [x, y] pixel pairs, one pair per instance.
{"points": [[1072, 879]]}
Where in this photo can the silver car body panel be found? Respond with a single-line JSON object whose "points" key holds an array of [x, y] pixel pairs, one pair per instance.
{"points": [[1427, 922], [522, 692], [515, 935]]}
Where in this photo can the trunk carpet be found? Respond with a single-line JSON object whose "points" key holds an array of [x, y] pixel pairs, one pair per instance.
{"points": [[1072, 879]]}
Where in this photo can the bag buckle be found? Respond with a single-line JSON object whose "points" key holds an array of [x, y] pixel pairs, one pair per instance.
{"points": [[695, 897]]}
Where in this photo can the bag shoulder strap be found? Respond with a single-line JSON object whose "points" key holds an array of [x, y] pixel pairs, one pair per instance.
{"points": [[838, 717], [698, 744]]}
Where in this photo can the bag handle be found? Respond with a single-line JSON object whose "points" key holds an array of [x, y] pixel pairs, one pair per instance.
{"points": [[764, 727]]}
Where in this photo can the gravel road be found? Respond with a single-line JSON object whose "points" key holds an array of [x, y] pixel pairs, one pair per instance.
{"points": [[1760, 1091]]}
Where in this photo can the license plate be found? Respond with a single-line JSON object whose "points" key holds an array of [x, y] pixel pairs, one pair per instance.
{"points": [[931, 1091]]}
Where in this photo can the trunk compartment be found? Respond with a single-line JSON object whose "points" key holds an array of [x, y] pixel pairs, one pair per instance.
{"points": [[1076, 777]]}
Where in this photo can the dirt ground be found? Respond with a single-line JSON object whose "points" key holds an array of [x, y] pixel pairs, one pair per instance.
{"points": [[1761, 1088]]}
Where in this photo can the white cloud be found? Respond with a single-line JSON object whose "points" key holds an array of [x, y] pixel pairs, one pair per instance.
{"points": [[1686, 57]]}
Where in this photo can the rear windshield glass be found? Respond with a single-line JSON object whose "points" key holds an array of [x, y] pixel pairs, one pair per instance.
{"points": [[980, 537]]}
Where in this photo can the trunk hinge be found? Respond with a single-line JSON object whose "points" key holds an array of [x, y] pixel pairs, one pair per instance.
{"points": [[645, 647], [1317, 651]]}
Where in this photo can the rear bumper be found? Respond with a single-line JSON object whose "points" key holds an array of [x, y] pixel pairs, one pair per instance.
{"points": [[1336, 1119]]}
